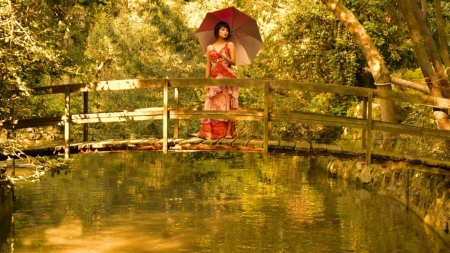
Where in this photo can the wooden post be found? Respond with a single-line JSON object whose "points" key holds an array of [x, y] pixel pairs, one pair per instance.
{"points": [[408, 186], [165, 116], [85, 111], [369, 129], [364, 132], [67, 124], [13, 165], [267, 109], [176, 123]]}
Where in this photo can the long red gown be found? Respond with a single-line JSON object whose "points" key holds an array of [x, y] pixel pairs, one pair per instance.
{"points": [[219, 98]]}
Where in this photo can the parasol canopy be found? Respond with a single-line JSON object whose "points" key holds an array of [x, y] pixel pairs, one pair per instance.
{"points": [[244, 33]]}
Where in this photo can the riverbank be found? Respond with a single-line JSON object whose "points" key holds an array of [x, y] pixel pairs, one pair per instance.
{"points": [[425, 191]]}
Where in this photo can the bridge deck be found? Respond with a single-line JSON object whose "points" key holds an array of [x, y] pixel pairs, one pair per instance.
{"points": [[301, 147]]}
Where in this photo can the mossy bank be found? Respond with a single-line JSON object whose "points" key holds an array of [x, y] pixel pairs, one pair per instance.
{"points": [[424, 190]]}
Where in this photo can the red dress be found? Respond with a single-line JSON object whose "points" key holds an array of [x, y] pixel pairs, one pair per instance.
{"points": [[219, 97]]}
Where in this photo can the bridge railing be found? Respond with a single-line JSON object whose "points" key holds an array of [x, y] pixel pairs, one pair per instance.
{"points": [[266, 115]]}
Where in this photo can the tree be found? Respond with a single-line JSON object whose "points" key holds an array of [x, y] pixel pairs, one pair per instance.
{"points": [[25, 50], [430, 59], [427, 53], [374, 59]]}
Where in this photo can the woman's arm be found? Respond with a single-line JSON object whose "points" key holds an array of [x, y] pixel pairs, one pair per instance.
{"points": [[232, 59], [208, 62]]}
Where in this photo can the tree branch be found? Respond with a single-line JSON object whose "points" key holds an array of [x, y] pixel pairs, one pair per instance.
{"points": [[411, 85]]}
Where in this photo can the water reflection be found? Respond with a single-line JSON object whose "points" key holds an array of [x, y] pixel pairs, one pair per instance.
{"points": [[207, 202]]}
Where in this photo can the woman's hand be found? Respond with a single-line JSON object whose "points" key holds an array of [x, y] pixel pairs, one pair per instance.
{"points": [[224, 56]]}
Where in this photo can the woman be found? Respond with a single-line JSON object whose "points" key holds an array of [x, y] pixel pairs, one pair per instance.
{"points": [[220, 56]]}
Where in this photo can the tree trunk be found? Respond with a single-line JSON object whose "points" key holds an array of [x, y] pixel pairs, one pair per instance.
{"points": [[374, 59], [410, 11], [421, 18], [442, 33]]}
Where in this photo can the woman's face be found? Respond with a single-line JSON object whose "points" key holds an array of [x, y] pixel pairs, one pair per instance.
{"points": [[223, 32]]}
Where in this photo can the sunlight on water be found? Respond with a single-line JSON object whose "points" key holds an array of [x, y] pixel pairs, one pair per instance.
{"points": [[206, 202]]}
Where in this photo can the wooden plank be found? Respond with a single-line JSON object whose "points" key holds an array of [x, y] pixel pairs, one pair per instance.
{"points": [[334, 149], [102, 144], [195, 113], [190, 141], [361, 92], [273, 144], [243, 83], [177, 140], [411, 130], [240, 142], [316, 118], [302, 146], [136, 142], [116, 119], [224, 141], [25, 123], [202, 82], [287, 144], [152, 140], [162, 141], [319, 87], [123, 143], [319, 147], [210, 142], [255, 144], [128, 84], [148, 114]]}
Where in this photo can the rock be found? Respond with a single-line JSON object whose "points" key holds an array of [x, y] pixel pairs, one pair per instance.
{"points": [[366, 176]]}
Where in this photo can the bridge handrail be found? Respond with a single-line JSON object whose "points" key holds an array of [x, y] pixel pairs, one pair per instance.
{"points": [[267, 114], [243, 83]]}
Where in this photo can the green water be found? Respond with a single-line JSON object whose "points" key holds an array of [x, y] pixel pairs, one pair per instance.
{"points": [[207, 202]]}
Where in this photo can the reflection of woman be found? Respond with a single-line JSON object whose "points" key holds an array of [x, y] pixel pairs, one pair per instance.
{"points": [[220, 57]]}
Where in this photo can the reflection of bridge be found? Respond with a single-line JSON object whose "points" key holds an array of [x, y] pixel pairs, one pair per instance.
{"points": [[268, 114], [302, 148]]}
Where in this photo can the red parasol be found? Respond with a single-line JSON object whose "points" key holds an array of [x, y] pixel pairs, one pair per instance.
{"points": [[244, 33]]}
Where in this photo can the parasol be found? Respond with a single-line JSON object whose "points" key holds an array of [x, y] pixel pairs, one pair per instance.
{"points": [[244, 33]]}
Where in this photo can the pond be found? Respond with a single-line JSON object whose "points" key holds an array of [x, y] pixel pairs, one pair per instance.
{"points": [[207, 202]]}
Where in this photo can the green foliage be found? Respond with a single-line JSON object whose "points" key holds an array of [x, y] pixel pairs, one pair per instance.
{"points": [[12, 148], [82, 41]]}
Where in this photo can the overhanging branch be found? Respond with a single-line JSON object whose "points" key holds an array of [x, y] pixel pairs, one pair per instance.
{"points": [[409, 84]]}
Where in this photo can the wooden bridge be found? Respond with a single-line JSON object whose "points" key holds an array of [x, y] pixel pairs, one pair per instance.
{"points": [[266, 115]]}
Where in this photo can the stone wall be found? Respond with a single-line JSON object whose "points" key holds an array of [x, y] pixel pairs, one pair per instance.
{"points": [[423, 190]]}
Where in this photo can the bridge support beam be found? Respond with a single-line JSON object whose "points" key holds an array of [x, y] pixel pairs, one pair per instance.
{"points": [[176, 122], [85, 111], [364, 131], [369, 129], [267, 109], [67, 124], [165, 116]]}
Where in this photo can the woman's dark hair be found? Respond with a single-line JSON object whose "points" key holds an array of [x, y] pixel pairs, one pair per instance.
{"points": [[220, 25]]}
